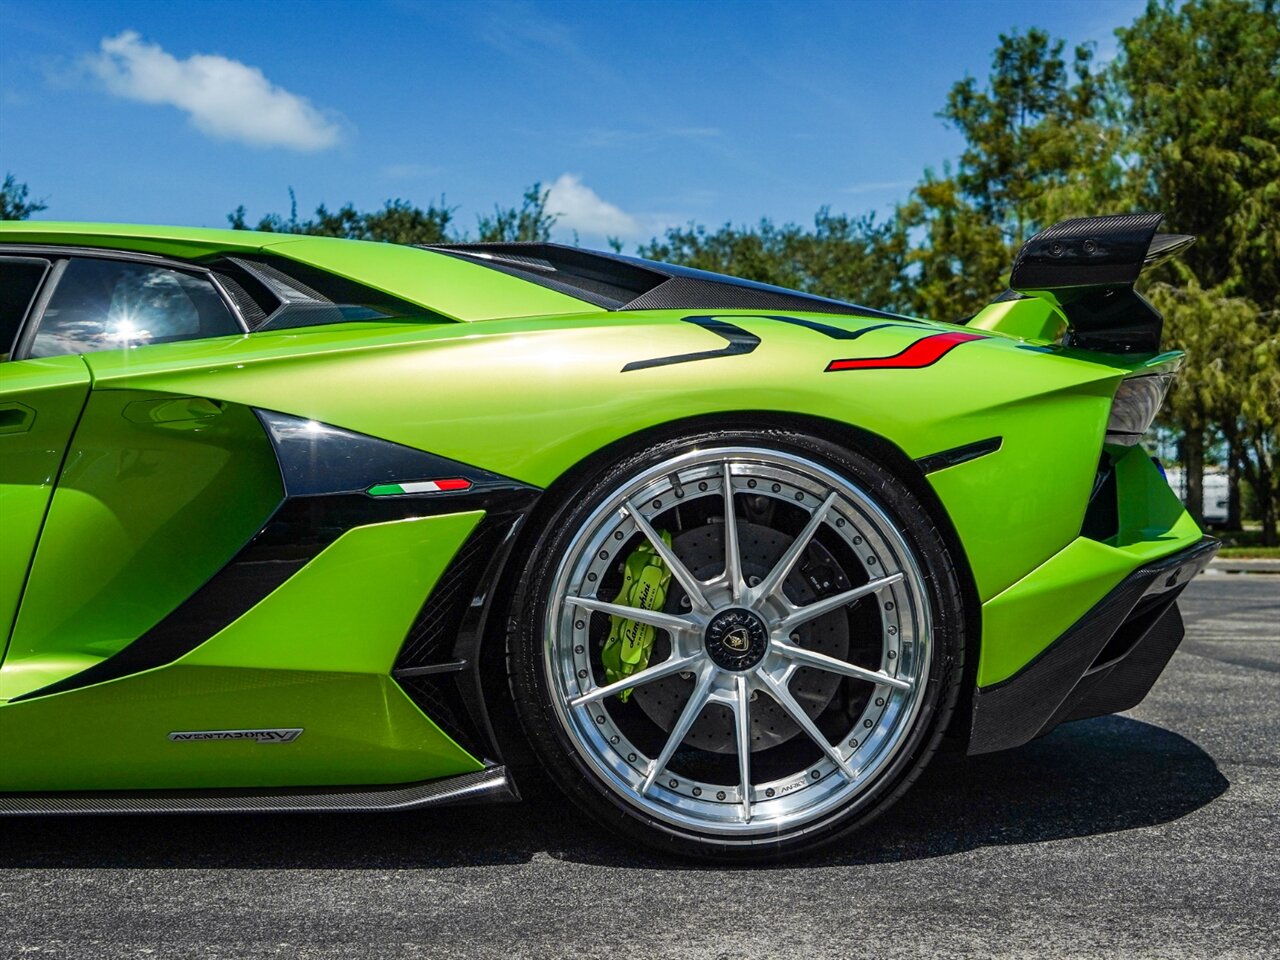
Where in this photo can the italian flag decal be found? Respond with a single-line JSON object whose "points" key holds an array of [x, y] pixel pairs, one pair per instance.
{"points": [[408, 487]]}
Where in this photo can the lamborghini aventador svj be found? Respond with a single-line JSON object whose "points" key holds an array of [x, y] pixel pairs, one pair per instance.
{"points": [[296, 523]]}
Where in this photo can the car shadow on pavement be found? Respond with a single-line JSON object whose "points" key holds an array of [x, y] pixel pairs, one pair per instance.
{"points": [[1090, 777]]}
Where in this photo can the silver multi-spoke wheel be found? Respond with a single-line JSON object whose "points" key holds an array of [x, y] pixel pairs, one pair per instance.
{"points": [[791, 654]]}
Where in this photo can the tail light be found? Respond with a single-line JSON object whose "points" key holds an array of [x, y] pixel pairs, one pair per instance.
{"points": [[1135, 406]]}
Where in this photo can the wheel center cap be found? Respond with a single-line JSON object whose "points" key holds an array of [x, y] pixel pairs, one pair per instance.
{"points": [[736, 639]]}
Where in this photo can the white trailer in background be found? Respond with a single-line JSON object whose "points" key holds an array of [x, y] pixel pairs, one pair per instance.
{"points": [[1214, 490]]}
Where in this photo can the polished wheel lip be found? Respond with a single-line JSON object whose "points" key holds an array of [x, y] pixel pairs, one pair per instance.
{"points": [[811, 794]]}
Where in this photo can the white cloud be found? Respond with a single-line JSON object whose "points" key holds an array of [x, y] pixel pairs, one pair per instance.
{"points": [[224, 98], [581, 208]]}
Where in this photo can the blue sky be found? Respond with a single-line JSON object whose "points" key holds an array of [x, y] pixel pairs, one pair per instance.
{"points": [[638, 114]]}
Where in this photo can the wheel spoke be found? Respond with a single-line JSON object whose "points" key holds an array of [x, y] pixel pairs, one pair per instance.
{"points": [[742, 726], [697, 700], [811, 658], [788, 703], [782, 569], [654, 618], [659, 670], [732, 556], [827, 604], [686, 579]]}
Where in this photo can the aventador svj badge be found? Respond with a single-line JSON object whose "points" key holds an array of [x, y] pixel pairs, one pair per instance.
{"points": [[284, 735]]}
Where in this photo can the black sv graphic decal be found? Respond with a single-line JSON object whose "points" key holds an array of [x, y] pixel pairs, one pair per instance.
{"points": [[741, 342]]}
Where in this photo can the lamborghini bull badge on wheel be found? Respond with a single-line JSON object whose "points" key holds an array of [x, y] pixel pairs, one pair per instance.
{"points": [[295, 523]]}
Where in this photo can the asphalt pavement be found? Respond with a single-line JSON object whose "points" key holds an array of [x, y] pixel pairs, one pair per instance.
{"points": [[1151, 834]]}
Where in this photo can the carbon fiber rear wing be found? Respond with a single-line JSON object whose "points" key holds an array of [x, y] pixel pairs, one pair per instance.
{"points": [[1087, 268]]}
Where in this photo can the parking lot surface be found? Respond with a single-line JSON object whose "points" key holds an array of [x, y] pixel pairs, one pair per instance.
{"points": [[1152, 834]]}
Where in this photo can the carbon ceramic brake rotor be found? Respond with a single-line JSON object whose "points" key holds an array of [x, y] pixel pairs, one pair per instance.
{"points": [[702, 550]]}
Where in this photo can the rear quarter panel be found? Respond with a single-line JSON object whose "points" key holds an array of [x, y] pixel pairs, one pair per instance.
{"points": [[531, 398]]}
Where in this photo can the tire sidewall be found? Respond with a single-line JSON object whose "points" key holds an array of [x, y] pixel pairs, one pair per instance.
{"points": [[532, 691]]}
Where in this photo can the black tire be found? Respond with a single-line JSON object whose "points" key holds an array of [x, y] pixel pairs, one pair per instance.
{"points": [[547, 733]]}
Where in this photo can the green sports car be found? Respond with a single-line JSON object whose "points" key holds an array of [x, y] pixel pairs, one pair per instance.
{"points": [[297, 523]]}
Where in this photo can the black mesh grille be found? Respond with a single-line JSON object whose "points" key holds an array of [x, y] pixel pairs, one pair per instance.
{"points": [[431, 638], [437, 696]]}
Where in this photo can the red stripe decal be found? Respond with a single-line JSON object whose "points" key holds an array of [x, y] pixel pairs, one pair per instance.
{"points": [[453, 483], [919, 354]]}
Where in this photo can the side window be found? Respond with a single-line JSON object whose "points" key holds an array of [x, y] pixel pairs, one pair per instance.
{"points": [[19, 280], [110, 304]]}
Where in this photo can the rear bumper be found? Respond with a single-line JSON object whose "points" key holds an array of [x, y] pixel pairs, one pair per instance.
{"points": [[1105, 662]]}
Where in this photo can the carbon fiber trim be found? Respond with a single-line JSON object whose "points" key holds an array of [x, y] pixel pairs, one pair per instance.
{"points": [[1087, 267], [250, 310], [1066, 680], [959, 455], [490, 785], [698, 293], [1085, 252], [616, 282]]}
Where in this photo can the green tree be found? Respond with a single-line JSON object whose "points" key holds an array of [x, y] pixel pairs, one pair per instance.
{"points": [[528, 223], [843, 257], [1233, 383], [1038, 148], [14, 204], [1199, 85], [397, 221], [1197, 89]]}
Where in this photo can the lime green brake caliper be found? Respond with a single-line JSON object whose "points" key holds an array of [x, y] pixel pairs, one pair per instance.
{"points": [[644, 586]]}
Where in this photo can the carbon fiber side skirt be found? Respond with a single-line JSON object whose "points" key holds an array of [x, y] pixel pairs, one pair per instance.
{"points": [[490, 785]]}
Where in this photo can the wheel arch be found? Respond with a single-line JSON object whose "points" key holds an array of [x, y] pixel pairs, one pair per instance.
{"points": [[515, 753]]}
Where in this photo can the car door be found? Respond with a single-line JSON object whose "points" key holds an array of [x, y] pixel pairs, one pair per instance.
{"points": [[155, 491], [40, 402]]}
